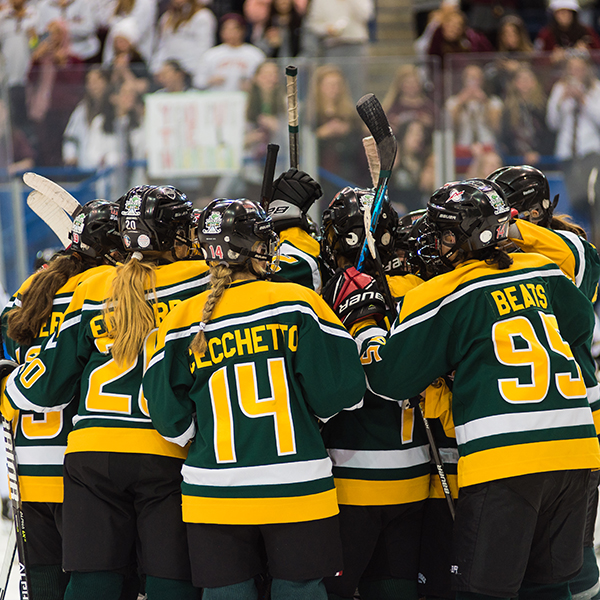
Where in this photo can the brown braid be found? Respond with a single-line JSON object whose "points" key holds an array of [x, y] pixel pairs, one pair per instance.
{"points": [[564, 223]]}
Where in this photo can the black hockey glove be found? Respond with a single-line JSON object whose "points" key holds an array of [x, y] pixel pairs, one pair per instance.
{"points": [[294, 192], [7, 367], [354, 296]]}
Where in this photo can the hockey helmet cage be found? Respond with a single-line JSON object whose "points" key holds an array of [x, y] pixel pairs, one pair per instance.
{"points": [[343, 228], [154, 218], [95, 232], [402, 261], [232, 231], [527, 190], [468, 216]]}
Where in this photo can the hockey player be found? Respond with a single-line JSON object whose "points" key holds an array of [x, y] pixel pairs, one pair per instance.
{"points": [[379, 453], [33, 314], [241, 371], [524, 429], [121, 478], [538, 229]]}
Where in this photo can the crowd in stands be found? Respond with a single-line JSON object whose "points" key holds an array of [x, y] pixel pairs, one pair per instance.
{"points": [[76, 71]]}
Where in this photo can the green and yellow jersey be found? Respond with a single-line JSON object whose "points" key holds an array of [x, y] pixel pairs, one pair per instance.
{"points": [[41, 439], [579, 261], [519, 399], [112, 414], [277, 359], [299, 258], [380, 453]]}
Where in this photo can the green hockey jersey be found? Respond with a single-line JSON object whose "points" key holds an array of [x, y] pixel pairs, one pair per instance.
{"points": [[112, 414], [41, 438], [380, 453], [299, 258], [519, 400], [579, 261], [277, 359]]}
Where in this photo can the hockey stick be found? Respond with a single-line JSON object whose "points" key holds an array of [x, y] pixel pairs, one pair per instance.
{"points": [[375, 161], [54, 216], [591, 197], [52, 190], [268, 175], [7, 562], [291, 75]]}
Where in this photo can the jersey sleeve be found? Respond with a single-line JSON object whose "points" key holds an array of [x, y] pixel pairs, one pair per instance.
{"points": [[299, 258], [167, 383]]}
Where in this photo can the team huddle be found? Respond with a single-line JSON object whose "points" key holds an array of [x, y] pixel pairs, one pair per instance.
{"points": [[219, 404]]}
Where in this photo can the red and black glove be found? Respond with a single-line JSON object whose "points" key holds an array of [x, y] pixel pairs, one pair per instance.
{"points": [[354, 296]]}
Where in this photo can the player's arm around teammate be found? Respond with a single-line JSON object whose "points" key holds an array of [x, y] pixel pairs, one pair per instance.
{"points": [[121, 477], [242, 371], [524, 429]]}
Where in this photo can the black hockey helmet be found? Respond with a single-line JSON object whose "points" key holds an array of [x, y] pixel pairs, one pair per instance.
{"points": [[154, 218], [232, 231], [95, 230], [527, 190], [343, 227], [401, 262], [467, 217]]}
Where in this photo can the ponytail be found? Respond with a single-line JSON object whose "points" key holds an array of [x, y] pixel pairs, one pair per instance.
{"points": [[564, 223], [221, 277], [128, 315], [25, 322]]}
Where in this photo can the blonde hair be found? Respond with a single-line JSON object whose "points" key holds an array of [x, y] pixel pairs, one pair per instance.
{"points": [[403, 72], [221, 277], [124, 7], [174, 19], [128, 315], [344, 107], [514, 99]]}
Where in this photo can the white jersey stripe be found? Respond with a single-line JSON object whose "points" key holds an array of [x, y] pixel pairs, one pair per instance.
{"points": [[41, 455], [288, 250], [576, 241], [283, 473], [379, 459], [521, 422]]}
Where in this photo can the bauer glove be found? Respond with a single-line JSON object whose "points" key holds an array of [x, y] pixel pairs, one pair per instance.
{"points": [[294, 192], [354, 296]]}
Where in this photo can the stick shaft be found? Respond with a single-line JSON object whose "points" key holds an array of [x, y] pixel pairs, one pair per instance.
{"points": [[269, 173], [291, 75]]}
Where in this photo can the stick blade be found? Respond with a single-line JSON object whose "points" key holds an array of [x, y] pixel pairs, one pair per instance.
{"points": [[373, 116], [54, 216], [49, 188]]}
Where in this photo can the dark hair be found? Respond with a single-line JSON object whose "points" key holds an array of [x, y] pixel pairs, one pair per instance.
{"points": [[176, 66]]}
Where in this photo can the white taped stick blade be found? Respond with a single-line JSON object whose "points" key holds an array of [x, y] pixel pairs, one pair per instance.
{"points": [[52, 190], [372, 158], [54, 216], [368, 234]]}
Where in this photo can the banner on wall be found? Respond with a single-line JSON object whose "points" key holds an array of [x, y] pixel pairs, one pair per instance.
{"points": [[195, 133]]}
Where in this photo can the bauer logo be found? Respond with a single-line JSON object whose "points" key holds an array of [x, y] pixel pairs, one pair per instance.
{"points": [[454, 569], [133, 207], [78, 223], [212, 224]]}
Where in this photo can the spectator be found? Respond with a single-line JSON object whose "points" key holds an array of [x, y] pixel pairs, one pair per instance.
{"points": [[485, 16], [406, 99], [414, 148], [565, 31], [256, 13], [574, 114], [80, 23], [55, 88], [185, 32], [78, 141], [229, 66], [453, 35], [514, 45], [338, 29], [483, 161], [127, 63], [173, 78], [16, 154], [475, 116], [282, 30], [141, 12], [265, 119], [18, 32], [337, 129], [524, 133]]}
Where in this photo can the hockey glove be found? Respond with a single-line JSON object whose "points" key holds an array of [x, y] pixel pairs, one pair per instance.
{"points": [[7, 367], [354, 297], [294, 192]]}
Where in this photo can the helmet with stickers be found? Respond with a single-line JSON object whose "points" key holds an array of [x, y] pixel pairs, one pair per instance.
{"points": [[343, 228], [94, 232], [232, 231], [527, 190], [154, 218], [467, 217]]}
